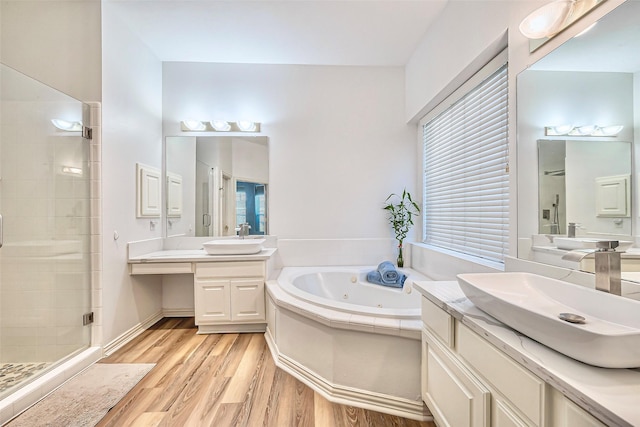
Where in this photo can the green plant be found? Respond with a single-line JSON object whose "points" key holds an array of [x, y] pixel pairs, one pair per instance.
{"points": [[400, 216]]}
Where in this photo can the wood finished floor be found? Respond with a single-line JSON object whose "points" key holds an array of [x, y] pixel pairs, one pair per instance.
{"points": [[223, 380]]}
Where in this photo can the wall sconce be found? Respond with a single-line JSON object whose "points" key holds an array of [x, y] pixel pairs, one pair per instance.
{"points": [[66, 125], [553, 17], [586, 130], [219, 126]]}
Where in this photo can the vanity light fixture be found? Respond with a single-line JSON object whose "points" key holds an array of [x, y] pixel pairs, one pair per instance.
{"points": [[587, 130], [193, 125], [220, 125], [66, 125], [608, 130], [583, 130], [547, 20], [558, 130]]}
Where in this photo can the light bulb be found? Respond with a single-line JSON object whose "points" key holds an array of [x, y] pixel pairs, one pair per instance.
{"points": [[194, 125]]}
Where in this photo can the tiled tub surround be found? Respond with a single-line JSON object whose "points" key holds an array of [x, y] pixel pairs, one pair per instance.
{"points": [[349, 355], [610, 395]]}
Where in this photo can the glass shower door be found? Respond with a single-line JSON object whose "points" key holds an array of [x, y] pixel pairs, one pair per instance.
{"points": [[45, 268]]}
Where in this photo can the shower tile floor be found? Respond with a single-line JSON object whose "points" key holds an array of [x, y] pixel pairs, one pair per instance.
{"points": [[12, 374]]}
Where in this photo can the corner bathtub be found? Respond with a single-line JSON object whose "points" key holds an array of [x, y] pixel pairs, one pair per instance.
{"points": [[355, 342]]}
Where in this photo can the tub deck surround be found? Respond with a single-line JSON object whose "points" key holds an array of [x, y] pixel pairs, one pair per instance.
{"points": [[610, 395], [346, 352]]}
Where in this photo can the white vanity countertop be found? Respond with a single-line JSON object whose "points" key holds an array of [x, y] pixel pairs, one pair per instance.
{"points": [[197, 255], [611, 395]]}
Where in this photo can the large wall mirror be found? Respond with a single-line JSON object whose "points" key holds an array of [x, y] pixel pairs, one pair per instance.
{"points": [[215, 183], [583, 177]]}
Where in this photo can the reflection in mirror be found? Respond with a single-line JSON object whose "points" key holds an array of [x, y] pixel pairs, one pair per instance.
{"points": [[224, 184], [597, 174], [589, 80]]}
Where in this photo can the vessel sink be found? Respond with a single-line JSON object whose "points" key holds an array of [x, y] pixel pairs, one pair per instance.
{"points": [[607, 328], [233, 246], [571, 243]]}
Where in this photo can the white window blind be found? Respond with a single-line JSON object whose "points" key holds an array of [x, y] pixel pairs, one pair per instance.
{"points": [[466, 180]]}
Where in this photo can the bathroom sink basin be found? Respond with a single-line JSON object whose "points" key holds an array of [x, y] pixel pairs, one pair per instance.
{"points": [[571, 243], [233, 246], [607, 332]]}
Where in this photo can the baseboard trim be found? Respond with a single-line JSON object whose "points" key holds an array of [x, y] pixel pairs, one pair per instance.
{"points": [[347, 395], [232, 328], [178, 312], [132, 333]]}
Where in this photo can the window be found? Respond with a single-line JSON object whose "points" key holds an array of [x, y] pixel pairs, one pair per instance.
{"points": [[466, 180]]}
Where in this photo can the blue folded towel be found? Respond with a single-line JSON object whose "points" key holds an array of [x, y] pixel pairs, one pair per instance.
{"points": [[388, 272], [387, 275]]}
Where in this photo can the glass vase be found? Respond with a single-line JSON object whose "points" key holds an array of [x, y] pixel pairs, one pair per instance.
{"points": [[400, 261]]}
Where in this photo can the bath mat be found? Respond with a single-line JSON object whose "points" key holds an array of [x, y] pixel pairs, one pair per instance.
{"points": [[85, 399]]}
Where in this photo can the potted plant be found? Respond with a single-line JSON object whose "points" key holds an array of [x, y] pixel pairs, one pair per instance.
{"points": [[401, 217]]}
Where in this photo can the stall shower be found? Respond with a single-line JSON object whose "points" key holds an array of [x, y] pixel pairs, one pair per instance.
{"points": [[45, 262]]}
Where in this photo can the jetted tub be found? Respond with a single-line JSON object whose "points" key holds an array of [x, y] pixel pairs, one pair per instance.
{"points": [[355, 342], [347, 290]]}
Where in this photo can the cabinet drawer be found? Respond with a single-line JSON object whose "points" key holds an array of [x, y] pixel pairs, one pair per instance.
{"points": [[161, 268], [523, 389], [438, 321], [230, 269]]}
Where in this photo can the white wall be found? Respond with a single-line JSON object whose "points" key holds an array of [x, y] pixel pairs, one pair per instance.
{"points": [[338, 142], [56, 42], [132, 111]]}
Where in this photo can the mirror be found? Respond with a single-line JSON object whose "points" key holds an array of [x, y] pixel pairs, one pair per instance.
{"points": [[589, 80], [215, 183]]}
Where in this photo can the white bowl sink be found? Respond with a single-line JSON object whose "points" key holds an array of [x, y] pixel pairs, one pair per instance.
{"points": [[571, 243], [233, 246], [532, 304]]}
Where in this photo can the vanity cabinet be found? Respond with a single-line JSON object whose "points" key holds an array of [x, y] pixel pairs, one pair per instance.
{"points": [[229, 296], [467, 381]]}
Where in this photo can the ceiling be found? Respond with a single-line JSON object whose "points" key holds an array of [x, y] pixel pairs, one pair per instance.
{"points": [[316, 32]]}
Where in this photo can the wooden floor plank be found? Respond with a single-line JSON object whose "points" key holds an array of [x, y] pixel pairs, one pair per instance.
{"points": [[245, 372], [223, 380]]}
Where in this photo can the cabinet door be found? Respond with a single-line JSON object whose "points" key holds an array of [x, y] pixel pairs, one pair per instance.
{"points": [[454, 396], [247, 300], [503, 416], [212, 301], [575, 416]]}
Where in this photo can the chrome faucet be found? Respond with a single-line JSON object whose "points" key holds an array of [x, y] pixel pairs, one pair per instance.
{"points": [[243, 230], [608, 275]]}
